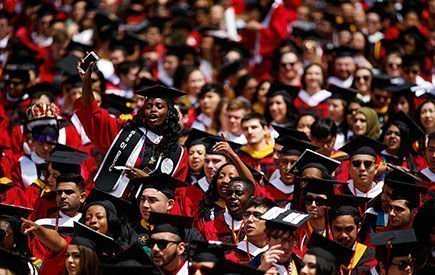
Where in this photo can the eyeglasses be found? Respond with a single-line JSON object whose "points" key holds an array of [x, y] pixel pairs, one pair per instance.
{"points": [[404, 264], [161, 244], [291, 64], [319, 201], [66, 191], [367, 163], [364, 77], [238, 193], [394, 65], [257, 215]]}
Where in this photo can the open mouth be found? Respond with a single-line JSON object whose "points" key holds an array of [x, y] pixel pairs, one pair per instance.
{"points": [[233, 206], [153, 118]]}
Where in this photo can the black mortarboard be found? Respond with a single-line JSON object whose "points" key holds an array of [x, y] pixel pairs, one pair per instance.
{"points": [[105, 25], [68, 65], [343, 51], [381, 81], [282, 89], [117, 104], [5, 184], [313, 159], [235, 46], [230, 69], [280, 218], [359, 203], [195, 137], [400, 175], [15, 263], [363, 145], [294, 147], [413, 59], [284, 132], [395, 243], [159, 91], [329, 250], [73, 81], [320, 186], [163, 183], [65, 161], [231, 268], [132, 38], [133, 260], [14, 210], [401, 89], [145, 83], [294, 45], [208, 140], [82, 241], [405, 191], [41, 87], [80, 47], [415, 130], [342, 93], [170, 223], [307, 34], [118, 44], [103, 243], [211, 251], [413, 32], [16, 72]]}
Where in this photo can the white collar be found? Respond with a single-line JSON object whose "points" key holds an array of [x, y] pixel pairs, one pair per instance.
{"points": [[184, 269], [373, 38], [346, 83], [313, 100], [385, 153], [153, 137], [375, 190], [4, 42], [428, 173], [63, 221], [203, 184], [229, 221], [204, 119], [253, 249], [36, 159], [281, 186]]}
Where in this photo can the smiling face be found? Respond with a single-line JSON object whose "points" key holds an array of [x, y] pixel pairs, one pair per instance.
{"points": [[156, 111], [289, 67], [314, 78], [427, 116], [195, 81], [225, 176], [336, 110], [96, 218], [72, 259], [278, 109]]}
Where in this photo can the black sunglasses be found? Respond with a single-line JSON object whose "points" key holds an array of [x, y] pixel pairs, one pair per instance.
{"points": [[161, 244], [404, 264], [291, 64], [365, 77], [66, 191], [367, 163], [319, 201]]}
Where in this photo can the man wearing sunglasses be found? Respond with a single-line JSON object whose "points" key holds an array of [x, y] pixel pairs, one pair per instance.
{"points": [[167, 242], [363, 152]]}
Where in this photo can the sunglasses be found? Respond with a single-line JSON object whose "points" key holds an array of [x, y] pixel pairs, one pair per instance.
{"points": [[161, 244], [394, 65], [364, 77], [238, 193], [291, 64], [319, 201], [203, 269], [404, 264], [257, 215], [367, 163], [66, 191]]}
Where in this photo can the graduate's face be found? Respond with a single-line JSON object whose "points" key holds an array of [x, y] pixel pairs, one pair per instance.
{"points": [[237, 199], [363, 169], [386, 197], [284, 164], [326, 145], [336, 110], [278, 109], [309, 265], [344, 67], [96, 218], [430, 155], [42, 149], [7, 242], [212, 163], [286, 240], [399, 266], [69, 198], [196, 157], [153, 200], [168, 253], [72, 259], [359, 124], [344, 230], [427, 116], [52, 176], [399, 214], [254, 131], [314, 206], [225, 176], [392, 139], [304, 124], [156, 111], [234, 120], [254, 226]]}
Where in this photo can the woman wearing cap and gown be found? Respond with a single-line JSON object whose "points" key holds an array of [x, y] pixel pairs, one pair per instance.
{"points": [[147, 142]]}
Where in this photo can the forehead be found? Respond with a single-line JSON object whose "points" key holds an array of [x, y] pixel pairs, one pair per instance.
{"points": [[228, 168], [363, 157], [260, 209], [96, 208], [212, 157], [151, 100], [67, 185], [152, 192], [236, 184], [343, 220], [252, 122], [197, 147], [400, 203], [165, 236]]}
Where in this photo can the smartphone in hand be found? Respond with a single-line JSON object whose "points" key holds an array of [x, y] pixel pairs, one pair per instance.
{"points": [[91, 57]]}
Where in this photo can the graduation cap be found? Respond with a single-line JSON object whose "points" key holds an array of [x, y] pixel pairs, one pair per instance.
{"points": [[73, 81], [133, 260], [415, 130], [82, 241], [147, 83], [346, 94], [170, 223], [235, 46], [359, 203], [277, 88], [284, 132], [343, 51], [5, 184], [294, 147], [313, 159], [401, 89], [406, 191], [105, 24], [211, 251], [42, 87], [118, 104], [67, 161], [400, 175], [329, 250], [412, 60], [135, 39], [14, 210], [68, 65], [77, 46], [200, 137], [363, 145], [280, 218], [14, 262], [103, 243], [160, 91], [395, 243], [230, 69], [163, 183], [320, 186], [381, 81], [231, 268]]}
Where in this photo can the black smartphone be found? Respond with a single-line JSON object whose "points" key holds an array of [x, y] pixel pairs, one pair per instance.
{"points": [[91, 57]]}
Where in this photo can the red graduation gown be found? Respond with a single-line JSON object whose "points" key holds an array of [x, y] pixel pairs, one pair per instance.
{"points": [[320, 109], [218, 230], [190, 198], [273, 193], [54, 263]]}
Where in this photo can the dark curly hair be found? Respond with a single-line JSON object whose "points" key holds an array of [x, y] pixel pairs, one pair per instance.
{"points": [[171, 129], [20, 240]]}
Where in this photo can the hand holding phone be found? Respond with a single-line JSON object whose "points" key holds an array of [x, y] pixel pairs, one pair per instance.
{"points": [[90, 57]]}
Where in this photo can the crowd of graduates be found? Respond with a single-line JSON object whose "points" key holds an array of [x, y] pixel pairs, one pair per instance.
{"points": [[217, 137]]}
